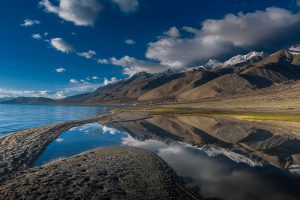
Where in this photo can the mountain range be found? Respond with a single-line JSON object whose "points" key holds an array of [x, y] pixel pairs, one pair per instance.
{"points": [[239, 75]]}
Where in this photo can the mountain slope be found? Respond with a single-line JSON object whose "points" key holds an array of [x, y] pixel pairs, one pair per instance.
{"points": [[279, 67], [187, 81], [127, 90], [226, 84]]}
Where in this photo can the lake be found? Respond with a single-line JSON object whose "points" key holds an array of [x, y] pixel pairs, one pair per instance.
{"points": [[19, 117], [217, 158]]}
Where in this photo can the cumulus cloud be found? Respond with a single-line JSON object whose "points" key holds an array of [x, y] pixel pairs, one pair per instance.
{"points": [[36, 36], [130, 42], [173, 32], [132, 65], [127, 6], [110, 81], [80, 12], [88, 54], [103, 61], [220, 37], [73, 81], [30, 22], [61, 45], [79, 87], [60, 70], [95, 78]]}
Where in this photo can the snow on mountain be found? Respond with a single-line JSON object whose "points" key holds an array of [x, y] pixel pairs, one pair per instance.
{"points": [[295, 49], [211, 64], [252, 57]]}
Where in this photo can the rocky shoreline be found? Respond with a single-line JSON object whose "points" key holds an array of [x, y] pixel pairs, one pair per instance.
{"points": [[109, 173]]}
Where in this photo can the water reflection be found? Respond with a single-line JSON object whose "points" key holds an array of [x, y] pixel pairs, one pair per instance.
{"points": [[277, 144], [215, 157], [80, 139], [221, 177]]}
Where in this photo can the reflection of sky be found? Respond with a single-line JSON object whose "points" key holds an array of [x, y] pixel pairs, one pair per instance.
{"points": [[219, 176], [208, 171], [80, 139]]}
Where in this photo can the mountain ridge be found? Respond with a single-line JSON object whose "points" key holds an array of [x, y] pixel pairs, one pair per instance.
{"points": [[239, 74]]}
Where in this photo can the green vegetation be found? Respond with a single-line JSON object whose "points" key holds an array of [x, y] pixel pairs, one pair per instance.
{"points": [[247, 116]]}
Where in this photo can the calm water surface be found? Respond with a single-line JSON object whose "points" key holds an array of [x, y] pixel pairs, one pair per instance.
{"points": [[203, 169], [18, 117]]}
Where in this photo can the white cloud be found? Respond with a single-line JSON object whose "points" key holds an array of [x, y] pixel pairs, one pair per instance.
{"points": [[30, 22], [30, 93], [80, 12], [61, 45], [80, 87], [127, 6], [88, 54], [46, 34], [173, 32], [73, 81], [223, 36], [60, 70], [110, 81], [132, 65], [36, 36], [60, 95], [103, 61], [130, 42], [95, 77]]}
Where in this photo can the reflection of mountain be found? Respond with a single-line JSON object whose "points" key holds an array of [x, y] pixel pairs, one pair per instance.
{"points": [[277, 144]]}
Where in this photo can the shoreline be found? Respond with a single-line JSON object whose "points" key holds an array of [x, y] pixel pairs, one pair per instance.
{"points": [[19, 150]]}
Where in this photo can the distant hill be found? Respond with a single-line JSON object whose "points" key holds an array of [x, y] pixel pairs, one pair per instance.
{"points": [[6, 99], [29, 100]]}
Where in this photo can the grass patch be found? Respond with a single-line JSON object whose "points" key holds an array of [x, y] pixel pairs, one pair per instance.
{"points": [[246, 116]]}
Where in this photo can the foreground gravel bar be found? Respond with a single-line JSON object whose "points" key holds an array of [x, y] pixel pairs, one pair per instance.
{"points": [[109, 173]]}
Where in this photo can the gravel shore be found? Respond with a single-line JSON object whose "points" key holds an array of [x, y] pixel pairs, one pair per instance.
{"points": [[109, 173]]}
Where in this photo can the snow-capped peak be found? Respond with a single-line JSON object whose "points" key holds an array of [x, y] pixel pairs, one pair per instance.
{"points": [[211, 64], [295, 49], [251, 57]]}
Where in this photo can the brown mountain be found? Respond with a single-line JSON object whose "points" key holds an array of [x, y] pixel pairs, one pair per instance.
{"points": [[127, 90], [226, 84], [172, 89]]}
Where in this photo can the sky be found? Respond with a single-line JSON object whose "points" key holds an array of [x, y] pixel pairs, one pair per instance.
{"points": [[59, 48]]}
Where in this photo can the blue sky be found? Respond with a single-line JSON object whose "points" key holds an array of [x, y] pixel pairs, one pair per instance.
{"points": [[58, 48]]}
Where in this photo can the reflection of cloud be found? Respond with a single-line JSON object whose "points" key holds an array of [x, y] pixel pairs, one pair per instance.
{"points": [[59, 140], [151, 145], [215, 177], [95, 128], [109, 130]]}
